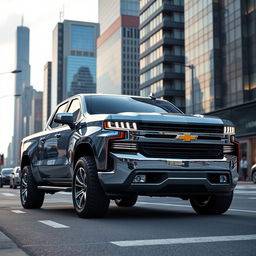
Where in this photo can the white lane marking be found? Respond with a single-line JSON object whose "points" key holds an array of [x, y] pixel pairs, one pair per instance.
{"points": [[188, 206], [245, 187], [245, 192], [8, 194], [190, 240], [17, 211], [163, 204], [53, 224], [64, 193]]}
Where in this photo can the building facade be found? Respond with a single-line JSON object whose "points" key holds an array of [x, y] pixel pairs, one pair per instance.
{"points": [[22, 109], [74, 51], [220, 44], [118, 47], [47, 92], [162, 61], [36, 112]]}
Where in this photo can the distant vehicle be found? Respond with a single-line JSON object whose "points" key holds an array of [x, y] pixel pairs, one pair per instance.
{"points": [[5, 176], [15, 177], [118, 147], [253, 172]]}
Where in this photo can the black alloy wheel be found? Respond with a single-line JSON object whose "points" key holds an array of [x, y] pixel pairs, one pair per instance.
{"points": [[89, 198]]}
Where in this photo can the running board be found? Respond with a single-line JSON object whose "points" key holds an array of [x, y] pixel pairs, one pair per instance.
{"points": [[55, 189]]}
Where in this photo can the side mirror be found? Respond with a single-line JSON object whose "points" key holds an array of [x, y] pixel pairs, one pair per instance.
{"points": [[65, 118]]}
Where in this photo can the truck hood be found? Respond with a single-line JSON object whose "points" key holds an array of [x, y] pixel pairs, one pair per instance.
{"points": [[167, 118]]}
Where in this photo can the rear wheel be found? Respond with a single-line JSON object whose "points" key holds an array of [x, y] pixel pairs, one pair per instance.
{"points": [[212, 204], [126, 201], [254, 176], [89, 198], [1, 184], [31, 197]]}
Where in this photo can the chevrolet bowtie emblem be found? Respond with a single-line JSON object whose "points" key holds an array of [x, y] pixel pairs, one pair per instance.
{"points": [[186, 137]]}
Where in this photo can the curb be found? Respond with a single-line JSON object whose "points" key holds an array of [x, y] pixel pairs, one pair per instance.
{"points": [[8, 247]]}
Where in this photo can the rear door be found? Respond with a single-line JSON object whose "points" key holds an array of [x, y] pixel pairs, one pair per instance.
{"points": [[50, 167]]}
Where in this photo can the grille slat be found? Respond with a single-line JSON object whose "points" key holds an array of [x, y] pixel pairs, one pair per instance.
{"points": [[182, 150], [180, 127]]}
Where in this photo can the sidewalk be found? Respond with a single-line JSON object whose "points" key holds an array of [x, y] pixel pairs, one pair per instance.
{"points": [[246, 183], [8, 247]]}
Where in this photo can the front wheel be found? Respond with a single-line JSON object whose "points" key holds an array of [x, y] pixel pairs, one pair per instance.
{"points": [[126, 201], [31, 197], [89, 198], [211, 204]]}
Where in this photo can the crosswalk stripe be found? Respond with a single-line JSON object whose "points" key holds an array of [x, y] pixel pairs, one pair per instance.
{"points": [[190, 240]]}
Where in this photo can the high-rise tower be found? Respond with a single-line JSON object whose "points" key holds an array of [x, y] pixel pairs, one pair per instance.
{"points": [[74, 47], [118, 47]]}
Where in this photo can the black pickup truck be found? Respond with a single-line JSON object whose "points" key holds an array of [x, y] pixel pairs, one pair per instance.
{"points": [[112, 147]]}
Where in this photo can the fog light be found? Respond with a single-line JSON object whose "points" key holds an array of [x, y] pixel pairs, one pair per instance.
{"points": [[223, 179], [140, 178]]}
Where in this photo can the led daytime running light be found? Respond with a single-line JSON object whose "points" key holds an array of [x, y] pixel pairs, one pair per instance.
{"points": [[116, 125], [229, 130]]}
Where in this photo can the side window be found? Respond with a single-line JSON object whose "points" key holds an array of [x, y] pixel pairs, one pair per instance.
{"points": [[61, 109], [75, 109]]}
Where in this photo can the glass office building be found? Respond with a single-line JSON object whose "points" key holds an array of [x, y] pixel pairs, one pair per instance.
{"points": [[47, 92], [118, 47], [74, 60], [162, 50], [220, 44]]}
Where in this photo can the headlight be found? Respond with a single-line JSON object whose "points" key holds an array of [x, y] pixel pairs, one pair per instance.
{"points": [[229, 130], [117, 125]]}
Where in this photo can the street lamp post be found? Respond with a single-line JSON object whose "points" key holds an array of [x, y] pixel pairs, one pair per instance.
{"points": [[14, 95], [192, 67], [13, 72]]}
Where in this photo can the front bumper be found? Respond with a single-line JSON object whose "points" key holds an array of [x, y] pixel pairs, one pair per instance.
{"points": [[168, 177]]}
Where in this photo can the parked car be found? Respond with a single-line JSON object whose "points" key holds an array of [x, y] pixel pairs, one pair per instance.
{"points": [[104, 147], [253, 172], [15, 177], [5, 176]]}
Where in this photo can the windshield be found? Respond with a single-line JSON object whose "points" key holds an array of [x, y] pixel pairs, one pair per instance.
{"points": [[109, 104], [6, 172]]}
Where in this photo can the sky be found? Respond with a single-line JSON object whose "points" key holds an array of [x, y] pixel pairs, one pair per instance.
{"points": [[41, 16]]}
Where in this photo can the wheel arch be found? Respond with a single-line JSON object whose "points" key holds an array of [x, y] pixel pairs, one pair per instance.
{"points": [[24, 161], [83, 149]]}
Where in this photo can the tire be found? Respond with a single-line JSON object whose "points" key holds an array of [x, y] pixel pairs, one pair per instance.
{"points": [[254, 176], [11, 186], [14, 186], [31, 197], [88, 196], [1, 184], [212, 205], [126, 201]]}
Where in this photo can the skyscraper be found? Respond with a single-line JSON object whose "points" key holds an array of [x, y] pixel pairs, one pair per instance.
{"points": [[220, 40], [162, 61], [118, 47], [22, 108], [74, 47], [47, 92]]}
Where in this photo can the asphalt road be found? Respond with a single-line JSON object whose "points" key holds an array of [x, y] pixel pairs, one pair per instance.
{"points": [[154, 226]]}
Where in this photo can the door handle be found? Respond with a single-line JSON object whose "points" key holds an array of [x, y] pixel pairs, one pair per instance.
{"points": [[43, 139], [58, 135]]}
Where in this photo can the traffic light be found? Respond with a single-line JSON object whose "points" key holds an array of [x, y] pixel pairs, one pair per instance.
{"points": [[1, 159]]}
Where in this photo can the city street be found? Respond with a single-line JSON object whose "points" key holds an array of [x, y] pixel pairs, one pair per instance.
{"points": [[166, 226]]}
